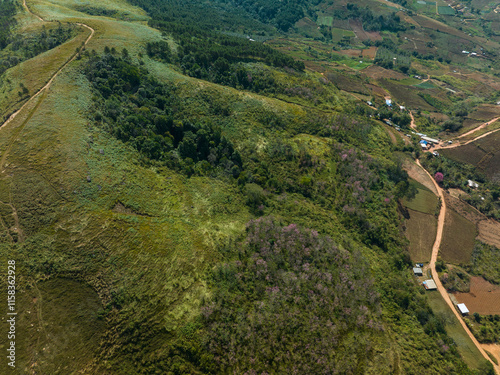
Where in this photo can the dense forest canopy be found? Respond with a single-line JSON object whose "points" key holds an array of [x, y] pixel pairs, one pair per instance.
{"points": [[7, 11]]}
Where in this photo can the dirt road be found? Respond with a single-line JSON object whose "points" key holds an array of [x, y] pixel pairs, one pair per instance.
{"points": [[443, 145], [432, 264]]}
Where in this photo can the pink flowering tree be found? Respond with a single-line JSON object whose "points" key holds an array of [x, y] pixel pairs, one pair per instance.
{"points": [[438, 177]]}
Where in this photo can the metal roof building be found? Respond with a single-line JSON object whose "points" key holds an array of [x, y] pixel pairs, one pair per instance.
{"points": [[430, 284], [417, 271], [463, 309]]}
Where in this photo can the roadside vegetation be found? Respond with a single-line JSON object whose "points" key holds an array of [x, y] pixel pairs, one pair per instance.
{"points": [[486, 328], [484, 262]]}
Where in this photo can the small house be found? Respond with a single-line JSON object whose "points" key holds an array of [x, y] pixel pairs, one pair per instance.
{"points": [[388, 102], [463, 309], [418, 271], [430, 284]]}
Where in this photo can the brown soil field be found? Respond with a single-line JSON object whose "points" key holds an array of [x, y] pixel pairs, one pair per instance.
{"points": [[419, 175], [463, 209], [458, 238], [347, 82], [438, 116], [421, 232], [489, 232], [490, 81], [377, 72], [483, 298], [351, 52], [374, 35], [466, 154]]}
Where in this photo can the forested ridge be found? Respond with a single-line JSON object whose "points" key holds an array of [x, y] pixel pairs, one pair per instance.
{"points": [[7, 11]]}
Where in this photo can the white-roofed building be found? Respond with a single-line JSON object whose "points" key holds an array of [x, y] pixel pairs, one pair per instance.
{"points": [[430, 284], [463, 309]]}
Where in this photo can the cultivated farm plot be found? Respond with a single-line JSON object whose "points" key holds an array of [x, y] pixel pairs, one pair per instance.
{"points": [[458, 238], [446, 11], [377, 72], [421, 231], [425, 201], [426, 85], [489, 232], [483, 298], [338, 34], [325, 20]]}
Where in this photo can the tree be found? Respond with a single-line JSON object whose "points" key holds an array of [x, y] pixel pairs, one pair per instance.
{"points": [[438, 177]]}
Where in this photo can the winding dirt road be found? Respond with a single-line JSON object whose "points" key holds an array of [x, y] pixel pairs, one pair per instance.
{"points": [[435, 276]]}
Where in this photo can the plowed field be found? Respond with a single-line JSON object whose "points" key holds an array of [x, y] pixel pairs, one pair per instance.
{"points": [[483, 298]]}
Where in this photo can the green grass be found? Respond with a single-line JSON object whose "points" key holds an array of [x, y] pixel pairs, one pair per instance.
{"points": [[425, 201], [407, 81], [446, 10], [338, 34], [421, 232], [426, 85], [465, 346], [355, 63]]}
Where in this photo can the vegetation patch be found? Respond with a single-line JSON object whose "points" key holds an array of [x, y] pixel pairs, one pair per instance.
{"points": [[23, 47], [455, 280]]}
